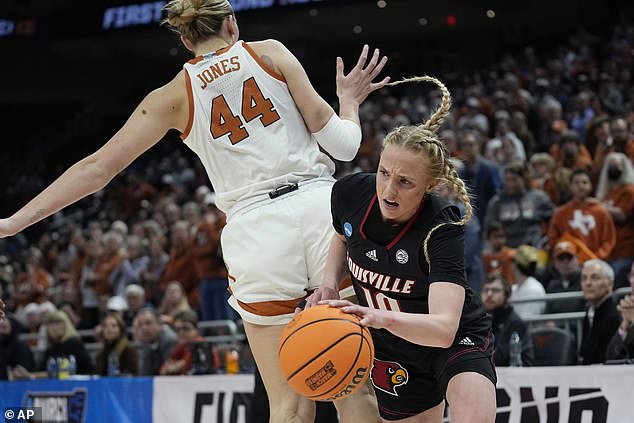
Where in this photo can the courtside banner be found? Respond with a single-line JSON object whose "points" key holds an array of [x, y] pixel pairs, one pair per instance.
{"points": [[92, 400], [198, 399], [575, 394]]}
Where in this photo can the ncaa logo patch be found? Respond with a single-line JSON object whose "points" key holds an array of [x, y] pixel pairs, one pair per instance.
{"points": [[402, 256], [347, 229]]}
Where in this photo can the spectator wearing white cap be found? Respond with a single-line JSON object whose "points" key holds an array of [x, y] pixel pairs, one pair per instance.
{"points": [[117, 304]]}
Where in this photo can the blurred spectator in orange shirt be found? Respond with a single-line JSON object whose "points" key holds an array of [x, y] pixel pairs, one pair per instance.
{"points": [[499, 257], [180, 266], [570, 153], [31, 284], [583, 218]]}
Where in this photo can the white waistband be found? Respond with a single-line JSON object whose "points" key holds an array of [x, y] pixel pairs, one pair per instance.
{"points": [[263, 199]]}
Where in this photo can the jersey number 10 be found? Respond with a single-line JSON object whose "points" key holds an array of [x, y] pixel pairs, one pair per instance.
{"points": [[254, 105], [380, 301]]}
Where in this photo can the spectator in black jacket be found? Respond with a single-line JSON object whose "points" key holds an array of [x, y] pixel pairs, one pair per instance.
{"points": [[602, 318], [495, 294], [13, 351], [566, 262]]}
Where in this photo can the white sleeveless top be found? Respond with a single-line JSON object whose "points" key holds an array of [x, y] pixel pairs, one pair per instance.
{"points": [[246, 128]]}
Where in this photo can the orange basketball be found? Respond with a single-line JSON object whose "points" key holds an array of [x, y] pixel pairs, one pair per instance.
{"points": [[325, 354]]}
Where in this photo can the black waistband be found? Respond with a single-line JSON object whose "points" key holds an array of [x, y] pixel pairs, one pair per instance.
{"points": [[283, 190]]}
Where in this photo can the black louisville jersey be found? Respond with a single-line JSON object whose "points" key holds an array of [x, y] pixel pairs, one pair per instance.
{"points": [[390, 265]]}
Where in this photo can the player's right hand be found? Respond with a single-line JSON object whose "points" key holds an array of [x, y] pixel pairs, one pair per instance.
{"points": [[321, 293]]}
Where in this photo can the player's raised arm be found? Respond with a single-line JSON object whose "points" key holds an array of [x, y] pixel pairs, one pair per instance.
{"points": [[339, 135], [159, 111]]}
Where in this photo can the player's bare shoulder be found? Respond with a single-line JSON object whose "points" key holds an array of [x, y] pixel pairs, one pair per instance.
{"points": [[272, 52], [171, 101]]}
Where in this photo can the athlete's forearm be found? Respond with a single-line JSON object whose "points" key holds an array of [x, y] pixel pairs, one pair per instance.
{"points": [[83, 178], [349, 109], [432, 330], [335, 263]]}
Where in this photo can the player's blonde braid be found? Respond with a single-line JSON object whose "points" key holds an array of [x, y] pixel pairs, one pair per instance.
{"points": [[424, 139]]}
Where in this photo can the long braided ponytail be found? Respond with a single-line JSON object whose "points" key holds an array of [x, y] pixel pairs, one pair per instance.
{"points": [[423, 138]]}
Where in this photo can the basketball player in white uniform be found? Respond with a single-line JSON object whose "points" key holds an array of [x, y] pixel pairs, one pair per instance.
{"points": [[252, 116]]}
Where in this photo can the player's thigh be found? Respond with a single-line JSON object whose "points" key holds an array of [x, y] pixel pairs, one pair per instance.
{"points": [[471, 398]]}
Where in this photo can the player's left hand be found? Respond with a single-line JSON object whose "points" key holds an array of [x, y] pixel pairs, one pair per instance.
{"points": [[369, 317], [357, 84]]}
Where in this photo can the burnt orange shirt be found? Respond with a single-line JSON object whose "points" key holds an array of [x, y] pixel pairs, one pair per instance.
{"points": [[180, 267], [589, 222], [500, 262], [104, 267], [40, 279], [583, 160]]}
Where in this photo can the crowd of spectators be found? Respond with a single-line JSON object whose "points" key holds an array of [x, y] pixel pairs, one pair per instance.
{"points": [[544, 140]]}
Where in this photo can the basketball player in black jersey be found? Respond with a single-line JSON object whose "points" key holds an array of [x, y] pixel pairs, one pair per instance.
{"points": [[404, 247]]}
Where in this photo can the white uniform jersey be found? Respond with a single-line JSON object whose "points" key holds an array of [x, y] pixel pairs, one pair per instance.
{"points": [[246, 128]]}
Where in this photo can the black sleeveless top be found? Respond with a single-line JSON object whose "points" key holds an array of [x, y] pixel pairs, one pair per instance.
{"points": [[392, 267]]}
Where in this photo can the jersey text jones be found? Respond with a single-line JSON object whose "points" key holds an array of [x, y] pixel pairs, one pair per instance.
{"points": [[216, 70]]}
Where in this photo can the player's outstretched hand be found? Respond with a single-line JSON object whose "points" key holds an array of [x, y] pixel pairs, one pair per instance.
{"points": [[369, 317], [357, 84]]}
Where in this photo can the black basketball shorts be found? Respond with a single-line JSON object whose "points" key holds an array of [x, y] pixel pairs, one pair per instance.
{"points": [[409, 382]]}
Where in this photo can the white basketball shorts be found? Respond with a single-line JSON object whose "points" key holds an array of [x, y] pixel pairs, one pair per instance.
{"points": [[276, 253]]}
